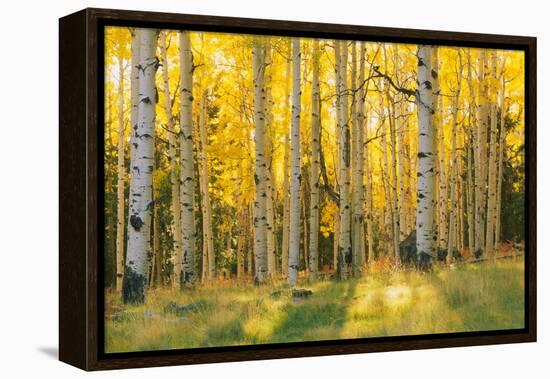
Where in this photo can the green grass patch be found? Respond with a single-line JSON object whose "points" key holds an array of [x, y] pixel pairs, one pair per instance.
{"points": [[470, 297]]}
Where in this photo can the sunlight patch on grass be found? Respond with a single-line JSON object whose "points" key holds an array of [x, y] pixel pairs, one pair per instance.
{"points": [[470, 297]]}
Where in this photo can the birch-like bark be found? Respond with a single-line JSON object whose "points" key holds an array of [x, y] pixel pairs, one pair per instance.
{"points": [[176, 256], [286, 167], [474, 158], [134, 101], [358, 189], [250, 244], [369, 217], [481, 155], [345, 257], [241, 229], [208, 238], [294, 237], [260, 174], [337, 106], [387, 234], [470, 184], [186, 272], [426, 161], [121, 172], [454, 170], [399, 122], [395, 202], [441, 177], [136, 265], [157, 251], [315, 157], [360, 155], [493, 159], [270, 184], [394, 118], [502, 146]]}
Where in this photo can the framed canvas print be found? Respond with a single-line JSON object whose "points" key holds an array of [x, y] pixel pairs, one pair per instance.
{"points": [[237, 189]]}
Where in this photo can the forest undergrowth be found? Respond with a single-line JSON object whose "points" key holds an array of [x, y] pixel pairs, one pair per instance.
{"points": [[466, 297]]}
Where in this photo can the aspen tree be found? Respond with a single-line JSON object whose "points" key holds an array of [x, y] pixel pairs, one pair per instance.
{"points": [[156, 279], [493, 158], [270, 185], [185, 274], [286, 166], [121, 172], [473, 161], [242, 223], [502, 146], [208, 238], [481, 155], [260, 167], [337, 106], [441, 177], [454, 172], [368, 198], [399, 126], [134, 99], [294, 236], [387, 225], [136, 266], [426, 162], [250, 231], [344, 157], [469, 185], [172, 155], [396, 230], [315, 157], [360, 149], [357, 162]]}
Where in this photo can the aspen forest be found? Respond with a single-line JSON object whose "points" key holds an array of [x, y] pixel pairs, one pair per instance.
{"points": [[268, 189]]}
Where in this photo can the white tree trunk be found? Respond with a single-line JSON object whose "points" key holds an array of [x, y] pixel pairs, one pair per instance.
{"points": [[426, 161], [399, 122], [295, 177], [473, 159], [134, 100], [493, 160], [345, 257], [386, 226], [121, 172], [441, 177], [502, 146], [208, 238], [315, 158], [369, 211], [260, 175], [185, 274], [135, 272], [481, 154], [286, 169], [454, 172], [270, 184], [358, 190], [176, 256]]}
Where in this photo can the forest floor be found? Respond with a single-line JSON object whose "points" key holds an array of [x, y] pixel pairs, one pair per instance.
{"points": [[467, 297]]}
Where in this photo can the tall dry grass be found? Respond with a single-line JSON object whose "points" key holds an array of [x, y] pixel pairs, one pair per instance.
{"points": [[471, 297]]}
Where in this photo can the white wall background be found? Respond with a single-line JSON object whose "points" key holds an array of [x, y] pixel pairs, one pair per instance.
{"points": [[28, 186]]}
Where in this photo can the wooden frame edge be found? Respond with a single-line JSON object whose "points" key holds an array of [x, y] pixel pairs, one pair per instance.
{"points": [[78, 196]]}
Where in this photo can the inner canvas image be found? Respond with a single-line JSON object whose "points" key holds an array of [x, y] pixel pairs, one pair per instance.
{"points": [[267, 189]]}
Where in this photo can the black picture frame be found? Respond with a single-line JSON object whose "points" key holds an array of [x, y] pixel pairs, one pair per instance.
{"points": [[81, 186]]}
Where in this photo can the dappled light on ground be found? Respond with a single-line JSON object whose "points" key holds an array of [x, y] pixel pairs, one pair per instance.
{"points": [[471, 297]]}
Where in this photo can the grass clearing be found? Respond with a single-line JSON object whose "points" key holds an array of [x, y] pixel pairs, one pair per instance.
{"points": [[469, 297]]}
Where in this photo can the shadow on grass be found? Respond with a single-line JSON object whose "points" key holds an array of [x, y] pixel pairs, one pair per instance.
{"points": [[492, 299], [320, 317]]}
